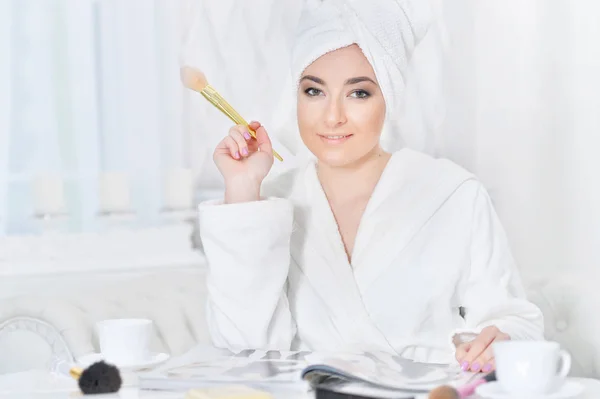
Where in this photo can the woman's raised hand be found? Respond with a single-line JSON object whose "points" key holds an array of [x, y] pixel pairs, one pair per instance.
{"points": [[244, 162]]}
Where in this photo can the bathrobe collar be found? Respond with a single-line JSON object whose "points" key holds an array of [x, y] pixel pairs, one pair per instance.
{"points": [[411, 189]]}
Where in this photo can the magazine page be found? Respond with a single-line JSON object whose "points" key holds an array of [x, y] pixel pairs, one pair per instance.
{"points": [[249, 367], [296, 370], [379, 369]]}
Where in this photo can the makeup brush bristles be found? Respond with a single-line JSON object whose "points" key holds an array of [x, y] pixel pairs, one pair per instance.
{"points": [[447, 392], [193, 78], [100, 378], [444, 392]]}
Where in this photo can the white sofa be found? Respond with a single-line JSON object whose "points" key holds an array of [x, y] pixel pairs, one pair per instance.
{"points": [[60, 319], [54, 289], [59, 314]]}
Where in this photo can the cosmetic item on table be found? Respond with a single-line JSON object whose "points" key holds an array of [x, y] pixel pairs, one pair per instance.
{"points": [[99, 378], [448, 392], [195, 79]]}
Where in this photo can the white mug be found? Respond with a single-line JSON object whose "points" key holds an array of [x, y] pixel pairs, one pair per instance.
{"points": [[125, 341], [530, 367]]}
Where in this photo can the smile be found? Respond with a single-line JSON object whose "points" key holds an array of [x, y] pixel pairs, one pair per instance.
{"points": [[335, 138]]}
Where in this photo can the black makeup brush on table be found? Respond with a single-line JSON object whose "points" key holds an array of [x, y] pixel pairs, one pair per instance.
{"points": [[99, 378]]}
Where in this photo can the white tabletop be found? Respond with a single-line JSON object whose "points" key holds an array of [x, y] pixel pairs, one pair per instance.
{"points": [[42, 385]]}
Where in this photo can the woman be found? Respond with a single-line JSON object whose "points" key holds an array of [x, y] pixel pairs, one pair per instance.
{"points": [[360, 249]]}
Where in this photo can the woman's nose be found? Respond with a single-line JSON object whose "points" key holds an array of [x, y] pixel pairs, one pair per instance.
{"points": [[335, 113]]}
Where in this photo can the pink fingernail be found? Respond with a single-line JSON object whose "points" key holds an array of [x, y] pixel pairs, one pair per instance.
{"points": [[236, 155], [247, 135], [464, 365], [245, 151], [487, 368], [476, 366]]}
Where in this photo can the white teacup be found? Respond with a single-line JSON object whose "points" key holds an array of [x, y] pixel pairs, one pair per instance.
{"points": [[125, 341], [530, 367]]}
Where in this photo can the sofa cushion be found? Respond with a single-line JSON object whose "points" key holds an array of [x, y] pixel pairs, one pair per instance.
{"points": [[175, 300], [570, 304]]}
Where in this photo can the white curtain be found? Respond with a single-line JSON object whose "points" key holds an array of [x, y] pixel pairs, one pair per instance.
{"points": [[523, 94], [5, 109], [89, 90]]}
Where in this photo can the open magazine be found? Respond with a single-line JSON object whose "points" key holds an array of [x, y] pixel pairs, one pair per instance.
{"points": [[299, 371]]}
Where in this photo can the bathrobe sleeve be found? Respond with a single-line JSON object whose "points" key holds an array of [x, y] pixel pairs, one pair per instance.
{"points": [[248, 250], [493, 294]]}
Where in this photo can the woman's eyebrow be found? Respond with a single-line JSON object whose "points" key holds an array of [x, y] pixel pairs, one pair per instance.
{"points": [[359, 79], [314, 79], [350, 81]]}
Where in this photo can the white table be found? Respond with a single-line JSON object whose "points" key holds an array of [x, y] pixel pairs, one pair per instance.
{"points": [[42, 385]]}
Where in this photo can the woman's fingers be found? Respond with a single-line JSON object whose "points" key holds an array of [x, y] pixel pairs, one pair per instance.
{"points": [[240, 135], [240, 144], [461, 353], [485, 360], [232, 147], [263, 141], [478, 346], [254, 125]]}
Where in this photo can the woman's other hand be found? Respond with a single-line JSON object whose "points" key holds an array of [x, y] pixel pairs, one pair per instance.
{"points": [[477, 355], [244, 162]]}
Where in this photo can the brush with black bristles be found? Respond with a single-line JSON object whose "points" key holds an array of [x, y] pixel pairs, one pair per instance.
{"points": [[99, 378]]}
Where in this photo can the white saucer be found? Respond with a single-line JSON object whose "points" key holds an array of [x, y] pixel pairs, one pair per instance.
{"points": [[493, 390], [153, 360]]}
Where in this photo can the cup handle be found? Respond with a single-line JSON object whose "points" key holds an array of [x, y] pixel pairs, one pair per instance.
{"points": [[565, 364]]}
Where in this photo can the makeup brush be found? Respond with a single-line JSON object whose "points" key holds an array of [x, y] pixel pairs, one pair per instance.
{"points": [[99, 378], [448, 392], [195, 79]]}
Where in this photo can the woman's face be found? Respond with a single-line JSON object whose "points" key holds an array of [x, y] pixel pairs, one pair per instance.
{"points": [[341, 109]]}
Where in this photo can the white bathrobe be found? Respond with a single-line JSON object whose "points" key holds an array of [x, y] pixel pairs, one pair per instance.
{"points": [[429, 243]]}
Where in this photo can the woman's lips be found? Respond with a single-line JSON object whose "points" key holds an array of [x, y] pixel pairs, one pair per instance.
{"points": [[335, 138]]}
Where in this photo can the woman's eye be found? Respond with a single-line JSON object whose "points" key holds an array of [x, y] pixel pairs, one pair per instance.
{"points": [[311, 91], [360, 94]]}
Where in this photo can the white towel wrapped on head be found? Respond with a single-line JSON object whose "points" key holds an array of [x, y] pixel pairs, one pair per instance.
{"points": [[387, 31]]}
